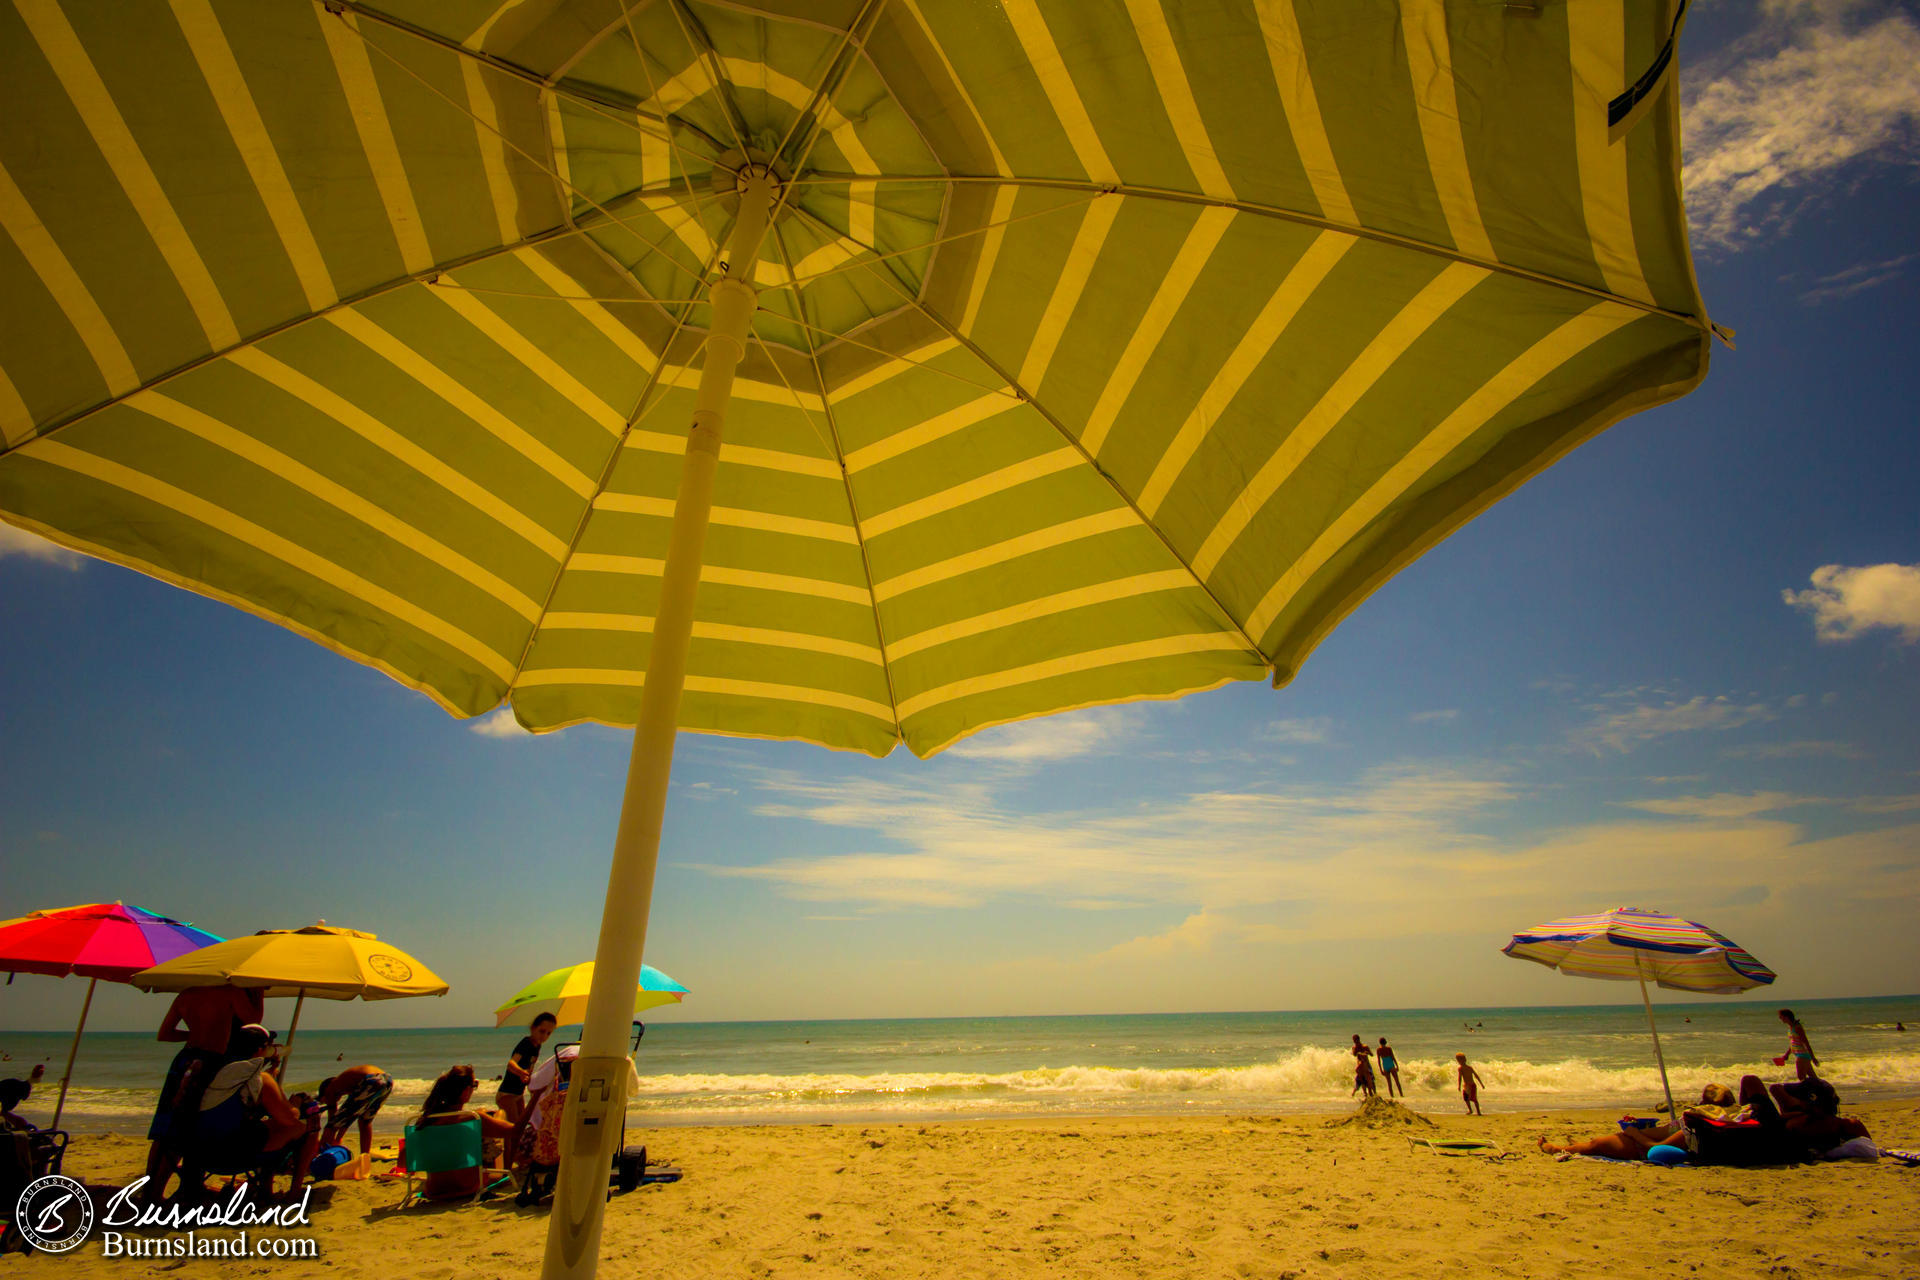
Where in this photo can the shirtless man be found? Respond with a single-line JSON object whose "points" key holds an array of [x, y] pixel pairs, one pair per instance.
{"points": [[211, 1015], [350, 1098]]}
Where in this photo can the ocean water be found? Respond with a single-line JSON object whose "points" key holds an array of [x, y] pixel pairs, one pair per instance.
{"points": [[1137, 1064]]}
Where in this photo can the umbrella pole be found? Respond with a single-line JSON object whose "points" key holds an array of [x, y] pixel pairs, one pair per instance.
{"points": [[1658, 1057], [72, 1052], [596, 1102], [286, 1054]]}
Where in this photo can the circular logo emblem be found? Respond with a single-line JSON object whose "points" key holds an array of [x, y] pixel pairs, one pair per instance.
{"points": [[392, 968], [53, 1213]]}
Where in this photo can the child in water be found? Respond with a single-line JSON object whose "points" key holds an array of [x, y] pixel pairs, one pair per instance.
{"points": [[1469, 1084]]}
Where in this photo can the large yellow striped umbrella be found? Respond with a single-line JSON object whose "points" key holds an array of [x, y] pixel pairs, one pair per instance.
{"points": [[1069, 351]]}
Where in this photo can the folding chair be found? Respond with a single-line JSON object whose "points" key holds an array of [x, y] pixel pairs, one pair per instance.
{"points": [[445, 1148]]}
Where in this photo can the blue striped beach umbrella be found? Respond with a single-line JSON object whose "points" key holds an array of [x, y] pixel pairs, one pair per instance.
{"points": [[1631, 944]]}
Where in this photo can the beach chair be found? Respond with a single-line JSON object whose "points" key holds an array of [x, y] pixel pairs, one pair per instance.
{"points": [[444, 1148]]}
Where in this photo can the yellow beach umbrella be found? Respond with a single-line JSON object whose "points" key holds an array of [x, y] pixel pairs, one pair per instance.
{"points": [[321, 960], [563, 993], [1067, 351]]}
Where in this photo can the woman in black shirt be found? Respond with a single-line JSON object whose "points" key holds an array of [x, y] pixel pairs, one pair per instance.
{"points": [[513, 1085]]}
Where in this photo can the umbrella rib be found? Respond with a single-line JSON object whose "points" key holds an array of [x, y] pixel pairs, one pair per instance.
{"points": [[837, 69], [673, 147], [846, 481], [1172, 196], [365, 295], [626, 113], [1073, 442], [711, 58], [606, 476]]}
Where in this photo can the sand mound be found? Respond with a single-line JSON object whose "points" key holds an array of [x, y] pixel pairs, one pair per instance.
{"points": [[1379, 1113]]}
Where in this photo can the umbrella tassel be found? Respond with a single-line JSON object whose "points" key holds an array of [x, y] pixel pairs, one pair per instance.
{"points": [[73, 1052]]}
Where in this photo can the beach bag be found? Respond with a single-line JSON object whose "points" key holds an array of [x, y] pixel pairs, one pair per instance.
{"points": [[546, 1140], [1734, 1142]]}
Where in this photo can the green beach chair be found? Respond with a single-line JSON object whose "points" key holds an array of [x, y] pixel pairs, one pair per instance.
{"points": [[445, 1148]]}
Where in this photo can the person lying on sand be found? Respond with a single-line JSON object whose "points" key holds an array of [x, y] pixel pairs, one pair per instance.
{"points": [[1810, 1112], [1633, 1143]]}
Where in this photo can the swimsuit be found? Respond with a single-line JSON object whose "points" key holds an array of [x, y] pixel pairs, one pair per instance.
{"points": [[363, 1099]]}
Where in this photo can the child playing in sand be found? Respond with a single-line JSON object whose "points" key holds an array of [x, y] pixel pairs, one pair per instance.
{"points": [[1469, 1084]]}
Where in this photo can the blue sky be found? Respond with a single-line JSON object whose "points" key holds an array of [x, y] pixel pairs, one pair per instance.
{"points": [[1681, 669]]}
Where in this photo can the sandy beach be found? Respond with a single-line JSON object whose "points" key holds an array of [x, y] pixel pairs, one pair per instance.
{"points": [[1253, 1196]]}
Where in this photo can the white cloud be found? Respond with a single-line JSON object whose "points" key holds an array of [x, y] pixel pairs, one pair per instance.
{"points": [[1297, 731], [1818, 88], [1435, 717], [1723, 805], [1857, 279], [18, 542], [1803, 749], [498, 724], [1626, 729], [1062, 737], [964, 844], [1848, 602]]}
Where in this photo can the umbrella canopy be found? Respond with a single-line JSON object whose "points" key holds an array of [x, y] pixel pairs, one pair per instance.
{"points": [[320, 960], [108, 940], [1074, 351], [1629, 944], [563, 993], [1098, 352]]}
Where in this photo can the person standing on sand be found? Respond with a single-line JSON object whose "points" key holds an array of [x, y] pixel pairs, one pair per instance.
{"points": [[1799, 1048], [211, 1016], [1469, 1084], [1362, 1069], [1390, 1069]]}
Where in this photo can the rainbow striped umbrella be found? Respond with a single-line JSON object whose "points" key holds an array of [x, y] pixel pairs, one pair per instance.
{"points": [[98, 940], [1631, 944], [563, 993]]}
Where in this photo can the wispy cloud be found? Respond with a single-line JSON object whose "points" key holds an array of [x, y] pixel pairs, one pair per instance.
{"points": [[1080, 733], [1857, 279], [1848, 602], [498, 724], [1435, 717], [963, 844], [1723, 805], [1623, 729], [1297, 732], [1801, 750], [1816, 93], [31, 546]]}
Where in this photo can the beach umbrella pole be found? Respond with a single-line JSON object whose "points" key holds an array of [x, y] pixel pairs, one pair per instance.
{"points": [[597, 1096], [1658, 1057], [286, 1055], [72, 1052]]}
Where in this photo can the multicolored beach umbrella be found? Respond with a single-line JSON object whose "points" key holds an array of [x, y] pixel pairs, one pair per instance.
{"points": [[1631, 944], [563, 993], [108, 940], [1067, 351]]}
